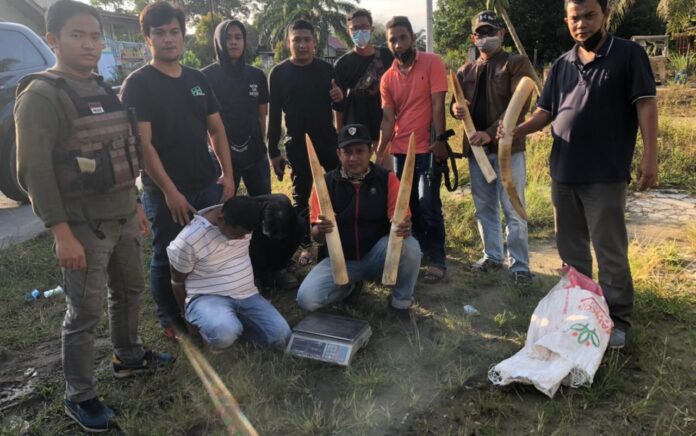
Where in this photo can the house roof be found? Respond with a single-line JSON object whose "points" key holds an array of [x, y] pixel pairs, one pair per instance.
{"points": [[336, 43]]}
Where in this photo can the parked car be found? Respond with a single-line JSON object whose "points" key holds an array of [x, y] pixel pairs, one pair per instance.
{"points": [[21, 52]]}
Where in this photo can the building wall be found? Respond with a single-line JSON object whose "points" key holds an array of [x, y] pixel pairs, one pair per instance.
{"points": [[19, 12]]}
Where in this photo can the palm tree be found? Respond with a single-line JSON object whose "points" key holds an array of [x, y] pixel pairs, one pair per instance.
{"points": [[678, 14], [326, 15], [618, 9]]}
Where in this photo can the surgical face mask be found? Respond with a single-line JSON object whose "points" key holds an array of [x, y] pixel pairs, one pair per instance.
{"points": [[361, 37], [488, 44], [405, 56], [591, 43]]}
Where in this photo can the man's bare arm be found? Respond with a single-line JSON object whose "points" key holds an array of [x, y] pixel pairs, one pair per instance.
{"points": [[646, 109], [221, 148]]}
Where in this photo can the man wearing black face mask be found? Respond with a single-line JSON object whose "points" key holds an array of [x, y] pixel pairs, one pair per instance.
{"points": [[413, 101], [596, 96], [489, 84]]}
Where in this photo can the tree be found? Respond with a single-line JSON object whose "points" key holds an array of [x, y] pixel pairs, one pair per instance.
{"points": [[539, 24], [678, 14], [327, 16]]}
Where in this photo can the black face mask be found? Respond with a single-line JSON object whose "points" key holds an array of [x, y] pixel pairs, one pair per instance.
{"points": [[591, 43], [405, 56]]}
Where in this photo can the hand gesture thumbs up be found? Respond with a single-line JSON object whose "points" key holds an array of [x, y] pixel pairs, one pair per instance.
{"points": [[335, 92]]}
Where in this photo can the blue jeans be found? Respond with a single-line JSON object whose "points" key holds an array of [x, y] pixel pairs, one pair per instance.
{"points": [[164, 230], [256, 177], [426, 207], [221, 320], [318, 288], [487, 198]]}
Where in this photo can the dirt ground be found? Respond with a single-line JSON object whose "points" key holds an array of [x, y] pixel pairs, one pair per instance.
{"points": [[473, 406]]}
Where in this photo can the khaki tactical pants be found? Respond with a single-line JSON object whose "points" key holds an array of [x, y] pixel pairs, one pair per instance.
{"points": [[116, 262]]}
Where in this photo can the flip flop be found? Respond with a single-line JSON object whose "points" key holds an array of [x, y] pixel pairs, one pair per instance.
{"points": [[434, 274]]}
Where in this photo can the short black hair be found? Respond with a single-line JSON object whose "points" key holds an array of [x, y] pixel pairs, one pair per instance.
{"points": [[61, 11], [241, 211], [400, 21], [301, 25], [278, 218], [602, 4], [161, 13], [360, 13]]}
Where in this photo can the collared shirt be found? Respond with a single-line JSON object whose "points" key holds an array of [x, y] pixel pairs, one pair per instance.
{"points": [[215, 264], [593, 111], [410, 96]]}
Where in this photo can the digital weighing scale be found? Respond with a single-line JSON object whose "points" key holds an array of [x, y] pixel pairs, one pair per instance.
{"points": [[329, 338]]}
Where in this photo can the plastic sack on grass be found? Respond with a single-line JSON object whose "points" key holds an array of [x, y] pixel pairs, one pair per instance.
{"points": [[567, 337]]}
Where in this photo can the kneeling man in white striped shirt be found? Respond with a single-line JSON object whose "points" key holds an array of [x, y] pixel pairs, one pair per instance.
{"points": [[213, 280]]}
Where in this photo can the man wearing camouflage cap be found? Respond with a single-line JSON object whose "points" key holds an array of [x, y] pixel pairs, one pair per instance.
{"points": [[488, 84]]}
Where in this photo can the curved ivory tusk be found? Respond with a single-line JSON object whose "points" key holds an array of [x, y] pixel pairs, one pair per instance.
{"points": [[512, 114], [391, 262], [333, 239], [469, 130]]}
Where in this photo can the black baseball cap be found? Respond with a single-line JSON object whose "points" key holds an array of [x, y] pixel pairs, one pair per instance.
{"points": [[485, 18], [353, 134]]}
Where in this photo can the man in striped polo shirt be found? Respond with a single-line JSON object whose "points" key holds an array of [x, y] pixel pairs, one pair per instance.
{"points": [[213, 280]]}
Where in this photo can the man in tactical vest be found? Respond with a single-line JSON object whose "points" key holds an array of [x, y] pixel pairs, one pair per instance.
{"points": [[78, 159]]}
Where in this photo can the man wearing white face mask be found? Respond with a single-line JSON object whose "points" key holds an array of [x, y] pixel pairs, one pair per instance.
{"points": [[358, 73], [489, 84]]}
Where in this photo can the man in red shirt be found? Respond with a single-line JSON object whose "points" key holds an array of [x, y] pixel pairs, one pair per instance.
{"points": [[413, 95]]}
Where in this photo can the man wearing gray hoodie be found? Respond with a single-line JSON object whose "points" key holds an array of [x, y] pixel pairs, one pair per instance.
{"points": [[242, 91]]}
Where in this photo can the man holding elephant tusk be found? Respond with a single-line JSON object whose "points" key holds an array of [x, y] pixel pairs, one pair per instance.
{"points": [[489, 84]]}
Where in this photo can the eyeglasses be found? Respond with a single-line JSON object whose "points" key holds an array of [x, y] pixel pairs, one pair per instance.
{"points": [[486, 31]]}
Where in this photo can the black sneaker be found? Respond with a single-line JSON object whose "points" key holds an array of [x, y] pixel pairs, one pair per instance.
{"points": [[150, 362], [355, 291], [522, 277], [91, 415], [486, 264]]}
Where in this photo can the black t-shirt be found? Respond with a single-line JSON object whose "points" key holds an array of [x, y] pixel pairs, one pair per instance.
{"points": [[240, 91], [593, 110], [359, 107], [177, 109], [480, 101], [302, 92]]}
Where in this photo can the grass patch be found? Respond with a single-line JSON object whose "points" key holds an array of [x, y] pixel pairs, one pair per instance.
{"points": [[433, 382]]}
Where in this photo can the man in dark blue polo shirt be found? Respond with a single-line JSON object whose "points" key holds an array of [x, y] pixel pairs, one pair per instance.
{"points": [[596, 96]]}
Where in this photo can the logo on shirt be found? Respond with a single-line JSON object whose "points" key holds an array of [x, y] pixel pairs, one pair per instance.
{"points": [[253, 90], [96, 108], [196, 91]]}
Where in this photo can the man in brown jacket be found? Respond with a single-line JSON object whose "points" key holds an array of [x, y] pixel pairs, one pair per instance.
{"points": [[488, 85]]}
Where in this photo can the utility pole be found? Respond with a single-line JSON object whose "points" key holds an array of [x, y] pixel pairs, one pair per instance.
{"points": [[429, 25]]}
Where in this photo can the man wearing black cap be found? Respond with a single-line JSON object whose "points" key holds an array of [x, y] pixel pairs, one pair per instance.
{"points": [[363, 196], [489, 84]]}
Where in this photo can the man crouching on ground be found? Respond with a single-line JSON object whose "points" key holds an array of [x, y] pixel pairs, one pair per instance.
{"points": [[363, 196], [213, 281]]}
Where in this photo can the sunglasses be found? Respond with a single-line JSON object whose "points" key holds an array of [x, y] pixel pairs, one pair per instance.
{"points": [[486, 31]]}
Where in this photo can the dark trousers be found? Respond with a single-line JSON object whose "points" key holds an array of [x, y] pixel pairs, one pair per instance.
{"points": [[426, 207], [164, 230], [301, 174], [594, 213], [256, 177]]}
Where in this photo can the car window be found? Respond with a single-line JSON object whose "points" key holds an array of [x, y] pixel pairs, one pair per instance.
{"points": [[17, 52]]}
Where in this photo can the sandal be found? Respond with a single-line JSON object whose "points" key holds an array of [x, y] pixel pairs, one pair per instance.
{"points": [[434, 274], [306, 257]]}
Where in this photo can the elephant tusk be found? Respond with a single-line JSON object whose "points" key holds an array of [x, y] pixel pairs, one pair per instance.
{"points": [[333, 239], [391, 262], [512, 114], [469, 130]]}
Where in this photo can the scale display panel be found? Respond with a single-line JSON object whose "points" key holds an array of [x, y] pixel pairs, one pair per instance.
{"points": [[329, 338]]}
